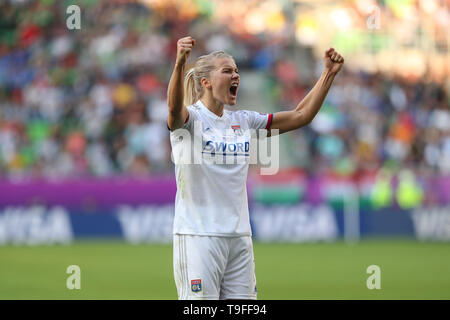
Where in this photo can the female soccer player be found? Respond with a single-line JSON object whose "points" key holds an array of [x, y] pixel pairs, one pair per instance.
{"points": [[212, 245]]}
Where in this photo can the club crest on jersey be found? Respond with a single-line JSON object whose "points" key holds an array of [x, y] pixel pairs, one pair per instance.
{"points": [[196, 285], [237, 130]]}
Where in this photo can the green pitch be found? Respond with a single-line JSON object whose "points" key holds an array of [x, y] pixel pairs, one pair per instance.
{"points": [[115, 270]]}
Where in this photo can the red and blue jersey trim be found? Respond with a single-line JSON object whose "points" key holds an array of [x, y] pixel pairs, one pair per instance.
{"points": [[269, 121]]}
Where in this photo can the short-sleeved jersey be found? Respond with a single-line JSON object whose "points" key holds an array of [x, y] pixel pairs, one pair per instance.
{"points": [[211, 158]]}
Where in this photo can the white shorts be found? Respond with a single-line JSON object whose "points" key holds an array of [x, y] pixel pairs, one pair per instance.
{"points": [[213, 268]]}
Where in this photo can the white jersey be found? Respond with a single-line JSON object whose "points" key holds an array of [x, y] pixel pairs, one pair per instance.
{"points": [[211, 196]]}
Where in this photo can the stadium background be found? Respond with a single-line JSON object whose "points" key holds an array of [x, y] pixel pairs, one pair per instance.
{"points": [[85, 172]]}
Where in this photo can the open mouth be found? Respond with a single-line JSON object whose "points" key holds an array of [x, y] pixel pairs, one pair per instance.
{"points": [[233, 90]]}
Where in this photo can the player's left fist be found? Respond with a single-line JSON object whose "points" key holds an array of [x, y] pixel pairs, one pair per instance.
{"points": [[333, 60]]}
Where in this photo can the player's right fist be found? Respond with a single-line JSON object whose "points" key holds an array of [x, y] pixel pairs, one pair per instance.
{"points": [[184, 48]]}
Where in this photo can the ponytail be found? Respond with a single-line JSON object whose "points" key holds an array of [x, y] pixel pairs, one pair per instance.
{"points": [[190, 92]]}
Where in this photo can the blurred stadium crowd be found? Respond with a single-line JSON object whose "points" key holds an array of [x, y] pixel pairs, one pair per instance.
{"points": [[92, 102]]}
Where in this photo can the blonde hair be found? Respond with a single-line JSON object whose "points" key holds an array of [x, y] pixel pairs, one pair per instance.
{"points": [[193, 89]]}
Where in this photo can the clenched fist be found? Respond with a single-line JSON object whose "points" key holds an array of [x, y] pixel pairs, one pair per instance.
{"points": [[333, 60], [184, 48]]}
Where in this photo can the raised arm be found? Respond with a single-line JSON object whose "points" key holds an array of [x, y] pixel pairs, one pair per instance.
{"points": [[178, 112], [307, 109]]}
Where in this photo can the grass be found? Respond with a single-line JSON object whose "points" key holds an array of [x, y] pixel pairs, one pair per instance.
{"points": [[116, 270]]}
